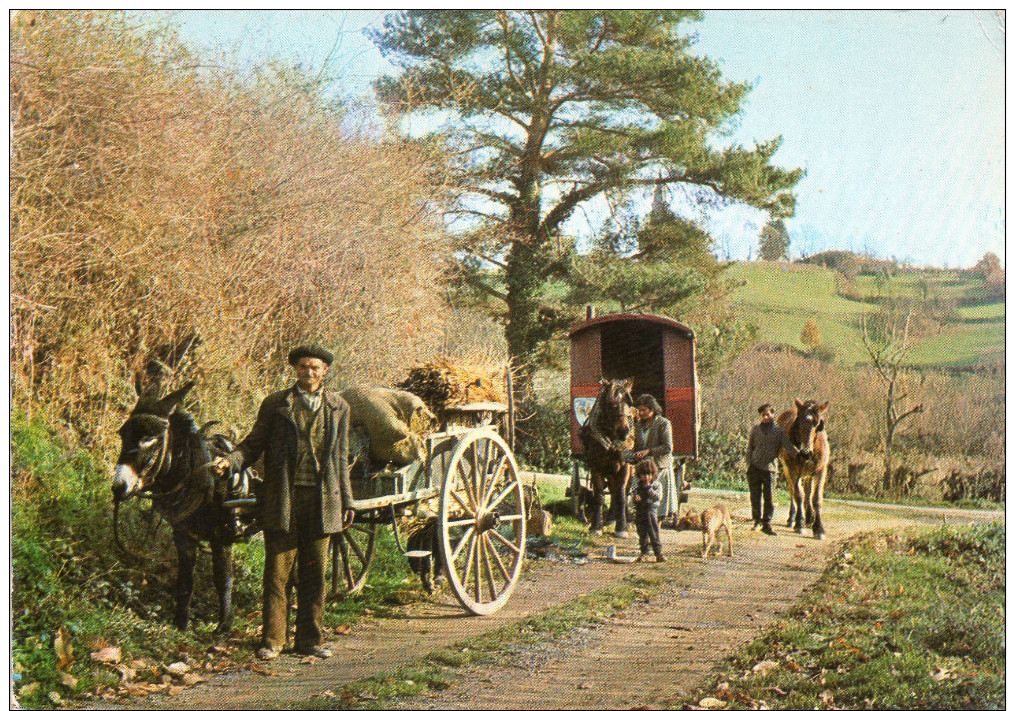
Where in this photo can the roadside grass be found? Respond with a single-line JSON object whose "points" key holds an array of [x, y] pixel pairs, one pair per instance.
{"points": [[390, 586], [440, 669], [911, 619], [74, 593], [968, 504]]}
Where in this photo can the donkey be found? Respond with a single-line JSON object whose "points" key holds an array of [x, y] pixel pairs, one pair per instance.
{"points": [[604, 436], [163, 456], [805, 476]]}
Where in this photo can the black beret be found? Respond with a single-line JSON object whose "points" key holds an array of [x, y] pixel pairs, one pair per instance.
{"points": [[310, 351]]}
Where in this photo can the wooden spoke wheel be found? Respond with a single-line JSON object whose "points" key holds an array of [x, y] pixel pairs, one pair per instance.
{"points": [[482, 520], [352, 553]]}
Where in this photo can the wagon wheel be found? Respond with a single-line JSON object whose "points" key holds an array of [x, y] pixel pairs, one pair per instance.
{"points": [[482, 520], [352, 553]]}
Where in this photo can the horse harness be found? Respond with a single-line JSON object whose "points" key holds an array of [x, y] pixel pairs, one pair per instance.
{"points": [[592, 427], [173, 510]]}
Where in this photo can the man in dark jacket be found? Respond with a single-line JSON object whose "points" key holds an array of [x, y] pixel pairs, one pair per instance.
{"points": [[303, 434], [763, 446]]}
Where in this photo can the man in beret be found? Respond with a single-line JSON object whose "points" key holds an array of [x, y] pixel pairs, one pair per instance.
{"points": [[303, 434]]}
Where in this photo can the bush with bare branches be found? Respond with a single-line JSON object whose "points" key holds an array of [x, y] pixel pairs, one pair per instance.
{"points": [[964, 417], [153, 196]]}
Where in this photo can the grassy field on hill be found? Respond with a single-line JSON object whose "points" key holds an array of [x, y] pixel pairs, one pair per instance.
{"points": [[779, 298]]}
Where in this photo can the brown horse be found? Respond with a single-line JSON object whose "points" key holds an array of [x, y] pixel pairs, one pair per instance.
{"points": [[805, 476], [604, 436]]}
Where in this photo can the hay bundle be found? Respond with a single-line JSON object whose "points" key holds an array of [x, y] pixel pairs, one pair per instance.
{"points": [[443, 383]]}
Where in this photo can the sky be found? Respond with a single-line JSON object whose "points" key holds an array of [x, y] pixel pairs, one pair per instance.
{"points": [[897, 116]]}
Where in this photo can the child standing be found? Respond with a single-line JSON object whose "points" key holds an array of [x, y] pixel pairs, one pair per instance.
{"points": [[646, 502]]}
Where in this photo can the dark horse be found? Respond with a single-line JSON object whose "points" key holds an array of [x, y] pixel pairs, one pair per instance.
{"points": [[806, 475], [163, 456], [604, 437]]}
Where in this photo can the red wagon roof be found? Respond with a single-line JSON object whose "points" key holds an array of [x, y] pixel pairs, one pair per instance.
{"points": [[600, 320]]}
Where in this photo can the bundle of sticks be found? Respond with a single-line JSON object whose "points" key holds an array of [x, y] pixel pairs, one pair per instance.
{"points": [[443, 382]]}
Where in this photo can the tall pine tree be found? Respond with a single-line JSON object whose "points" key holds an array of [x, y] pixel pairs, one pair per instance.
{"points": [[552, 108]]}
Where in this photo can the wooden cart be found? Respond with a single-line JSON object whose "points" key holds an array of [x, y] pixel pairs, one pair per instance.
{"points": [[658, 354], [469, 478]]}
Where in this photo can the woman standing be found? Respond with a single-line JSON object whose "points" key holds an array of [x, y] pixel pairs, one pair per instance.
{"points": [[653, 436]]}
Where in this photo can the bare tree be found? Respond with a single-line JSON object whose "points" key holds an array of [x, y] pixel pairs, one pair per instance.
{"points": [[888, 347]]}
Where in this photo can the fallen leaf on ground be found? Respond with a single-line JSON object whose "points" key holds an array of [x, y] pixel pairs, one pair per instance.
{"points": [[940, 674], [109, 655], [174, 690], [68, 681], [28, 689], [343, 629], [585, 685], [762, 668], [776, 690], [55, 698], [178, 668], [191, 679], [826, 696], [265, 671], [710, 702], [64, 649]]}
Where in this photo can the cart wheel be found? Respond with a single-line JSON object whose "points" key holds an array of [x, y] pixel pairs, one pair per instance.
{"points": [[482, 520], [352, 553]]}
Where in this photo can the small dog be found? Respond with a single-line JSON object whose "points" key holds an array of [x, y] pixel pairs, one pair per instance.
{"points": [[709, 522]]}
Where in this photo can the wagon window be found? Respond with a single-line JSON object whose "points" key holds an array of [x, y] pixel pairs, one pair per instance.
{"points": [[634, 349]]}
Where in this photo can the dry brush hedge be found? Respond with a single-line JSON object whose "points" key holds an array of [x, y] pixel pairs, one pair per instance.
{"points": [[154, 195]]}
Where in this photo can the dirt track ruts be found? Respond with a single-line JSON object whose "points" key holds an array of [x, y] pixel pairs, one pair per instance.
{"points": [[652, 653]]}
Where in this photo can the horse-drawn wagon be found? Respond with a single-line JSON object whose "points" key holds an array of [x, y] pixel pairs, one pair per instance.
{"points": [[654, 353], [464, 485]]}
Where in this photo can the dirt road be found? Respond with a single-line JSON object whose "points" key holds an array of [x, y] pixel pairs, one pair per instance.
{"points": [[657, 649]]}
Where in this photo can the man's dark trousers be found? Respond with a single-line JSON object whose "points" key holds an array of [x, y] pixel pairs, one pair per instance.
{"points": [[760, 483]]}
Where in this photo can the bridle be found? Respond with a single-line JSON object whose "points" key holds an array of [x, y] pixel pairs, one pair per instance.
{"points": [[610, 444], [173, 505]]}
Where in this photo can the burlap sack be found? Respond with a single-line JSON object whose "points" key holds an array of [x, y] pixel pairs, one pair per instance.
{"points": [[410, 409], [387, 415]]}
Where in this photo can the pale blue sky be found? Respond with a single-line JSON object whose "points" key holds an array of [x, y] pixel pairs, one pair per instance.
{"points": [[898, 117]]}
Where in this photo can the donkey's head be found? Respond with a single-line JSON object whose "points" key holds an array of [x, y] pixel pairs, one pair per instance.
{"points": [[144, 443], [808, 423]]}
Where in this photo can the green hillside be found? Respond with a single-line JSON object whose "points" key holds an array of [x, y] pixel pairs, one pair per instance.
{"points": [[779, 298]]}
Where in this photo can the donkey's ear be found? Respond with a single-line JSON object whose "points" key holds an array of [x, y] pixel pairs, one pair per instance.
{"points": [[822, 408], [628, 384], [167, 405], [798, 402]]}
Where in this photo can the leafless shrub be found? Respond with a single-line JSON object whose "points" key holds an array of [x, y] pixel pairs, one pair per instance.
{"points": [[153, 197], [964, 416]]}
